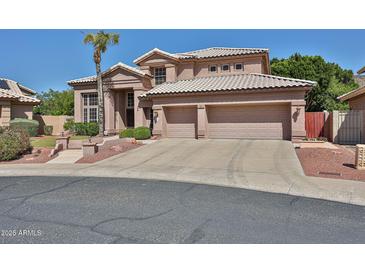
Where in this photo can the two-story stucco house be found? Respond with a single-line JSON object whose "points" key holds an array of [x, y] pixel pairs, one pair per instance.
{"points": [[16, 101], [208, 93]]}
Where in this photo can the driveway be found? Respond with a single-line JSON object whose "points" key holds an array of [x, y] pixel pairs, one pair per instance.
{"points": [[117, 210], [270, 166], [220, 162]]}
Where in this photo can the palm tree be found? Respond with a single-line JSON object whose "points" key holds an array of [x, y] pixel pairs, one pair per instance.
{"points": [[100, 42]]}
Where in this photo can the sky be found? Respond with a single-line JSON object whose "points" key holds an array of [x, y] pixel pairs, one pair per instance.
{"points": [[47, 59]]}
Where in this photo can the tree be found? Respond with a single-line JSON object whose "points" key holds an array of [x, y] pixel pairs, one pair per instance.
{"points": [[332, 80], [100, 42], [55, 103]]}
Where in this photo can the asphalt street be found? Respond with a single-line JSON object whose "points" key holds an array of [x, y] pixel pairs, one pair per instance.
{"points": [[117, 210]]}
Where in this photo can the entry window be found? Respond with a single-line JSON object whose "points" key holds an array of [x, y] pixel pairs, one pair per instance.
{"points": [[238, 66], [160, 75], [225, 67], [213, 68], [130, 100], [90, 107]]}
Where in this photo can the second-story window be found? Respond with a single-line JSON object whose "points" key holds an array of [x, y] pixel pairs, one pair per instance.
{"points": [[238, 66], [160, 75], [225, 67], [213, 68]]}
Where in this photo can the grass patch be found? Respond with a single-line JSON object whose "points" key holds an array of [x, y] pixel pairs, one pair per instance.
{"points": [[46, 141], [81, 137], [50, 141]]}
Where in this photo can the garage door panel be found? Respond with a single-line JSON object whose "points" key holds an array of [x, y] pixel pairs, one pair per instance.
{"points": [[181, 122], [249, 122]]}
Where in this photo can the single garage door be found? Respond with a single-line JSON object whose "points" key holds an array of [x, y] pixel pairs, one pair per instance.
{"points": [[249, 122], [181, 122]]}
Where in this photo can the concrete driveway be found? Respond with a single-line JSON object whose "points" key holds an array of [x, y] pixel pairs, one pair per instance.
{"points": [[270, 166], [241, 163]]}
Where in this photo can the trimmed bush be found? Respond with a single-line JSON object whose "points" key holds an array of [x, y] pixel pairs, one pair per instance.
{"points": [[14, 143], [142, 133], [48, 129], [69, 125], [30, 126], [127, 133], [89, 129]]}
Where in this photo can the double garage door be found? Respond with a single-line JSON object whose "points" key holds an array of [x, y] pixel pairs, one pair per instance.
{"points": [[232, 122]]}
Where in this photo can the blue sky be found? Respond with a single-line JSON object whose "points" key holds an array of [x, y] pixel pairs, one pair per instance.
{"points": [[44, 59]]}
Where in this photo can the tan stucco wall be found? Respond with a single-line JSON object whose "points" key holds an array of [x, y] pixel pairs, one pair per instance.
{"points": [[5, 114], [21, 111], [200, 68], [250, 64]]}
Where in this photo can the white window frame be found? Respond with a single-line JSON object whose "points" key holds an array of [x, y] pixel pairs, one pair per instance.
{"points": [[127, 100], [158, 75], [228, 70], [238, 64], [216, 69], [87, 108]]}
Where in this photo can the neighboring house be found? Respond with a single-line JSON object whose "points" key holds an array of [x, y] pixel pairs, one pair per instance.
{"points": [[359, 78], [16, 101], [208, 93], [356, 98]]}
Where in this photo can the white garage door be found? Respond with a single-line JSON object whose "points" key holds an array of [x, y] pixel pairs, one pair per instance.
{"points": [[181, 122], [249, 122]]}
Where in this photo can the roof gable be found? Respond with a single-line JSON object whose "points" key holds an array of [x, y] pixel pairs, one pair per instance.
{"points": [[122, 66], [352, 94], [156, 51]]}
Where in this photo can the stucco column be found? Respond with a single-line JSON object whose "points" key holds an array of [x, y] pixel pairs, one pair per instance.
{"points": [[158, 121], [109, 111], [139, 116], [298, 119], [78, 106], [202, 122]]}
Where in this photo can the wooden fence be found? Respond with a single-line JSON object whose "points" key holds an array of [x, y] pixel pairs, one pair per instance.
{"points": [[315, 124]]}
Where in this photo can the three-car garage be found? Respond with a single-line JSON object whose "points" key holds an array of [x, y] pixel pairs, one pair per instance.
{"points": [[261, 121]]}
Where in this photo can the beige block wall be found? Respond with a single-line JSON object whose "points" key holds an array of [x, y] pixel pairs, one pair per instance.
{"points": [[5, 113], [21, 111], [52, 120]]}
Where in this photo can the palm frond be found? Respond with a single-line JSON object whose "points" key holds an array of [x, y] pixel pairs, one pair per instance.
{"points": [[89, 38]]}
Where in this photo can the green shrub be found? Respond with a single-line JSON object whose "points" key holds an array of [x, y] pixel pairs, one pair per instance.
{"points": [[48, 129], [30, 126], [14, 143], [89, 129], [142, 133], [127, 133], [69, 125]]}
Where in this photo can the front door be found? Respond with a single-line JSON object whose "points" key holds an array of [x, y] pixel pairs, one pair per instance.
{"points": [[130, 109], [130, 117]]}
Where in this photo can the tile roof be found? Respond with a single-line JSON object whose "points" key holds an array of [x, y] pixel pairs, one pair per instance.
{"points": [[91, 79], [352, 94], [204, 53], [220, 52], [10, 89], [251, 81]]}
